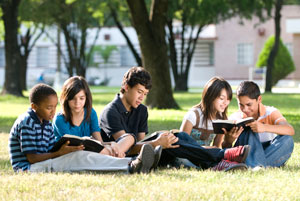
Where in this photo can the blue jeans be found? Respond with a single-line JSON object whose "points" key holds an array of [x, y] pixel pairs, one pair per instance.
{"points": [[191, 150], [268, 154]]}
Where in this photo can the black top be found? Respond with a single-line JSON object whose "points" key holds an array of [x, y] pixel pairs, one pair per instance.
{"points": [[115, 118]]}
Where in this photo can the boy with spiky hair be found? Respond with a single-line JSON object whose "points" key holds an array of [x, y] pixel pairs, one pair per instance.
{"points": [[270, 135], [32, 138]]}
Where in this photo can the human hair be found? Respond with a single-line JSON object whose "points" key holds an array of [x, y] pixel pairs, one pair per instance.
{"points": [[249, 89], [134, 76], [71, 87], [40, 92], [211, 91]]}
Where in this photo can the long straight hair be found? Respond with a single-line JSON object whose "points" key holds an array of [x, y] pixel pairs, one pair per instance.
{"points": [[71, 87], [212, 90]]}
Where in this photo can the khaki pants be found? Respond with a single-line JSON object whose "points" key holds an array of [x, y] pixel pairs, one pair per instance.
{"points": [[82, 161]]}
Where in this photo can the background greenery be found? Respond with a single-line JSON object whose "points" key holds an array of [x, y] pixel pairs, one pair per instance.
{"points": [[164, 184]]}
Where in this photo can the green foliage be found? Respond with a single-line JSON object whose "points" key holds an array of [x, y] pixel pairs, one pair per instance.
{"points": [[283, 64], [104, 51]]}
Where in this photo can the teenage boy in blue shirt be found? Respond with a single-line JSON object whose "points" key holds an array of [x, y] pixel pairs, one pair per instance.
{"points": [[31, 140], [125, 117]]}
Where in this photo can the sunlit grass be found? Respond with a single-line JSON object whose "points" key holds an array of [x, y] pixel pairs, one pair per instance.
{"points": [[164, 184]]}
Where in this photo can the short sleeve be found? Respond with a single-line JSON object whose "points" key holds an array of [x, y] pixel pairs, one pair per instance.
{"points": [[94, 122], [276, 117], [60, 127], [191, 117], [143, 125], [110, 122]]}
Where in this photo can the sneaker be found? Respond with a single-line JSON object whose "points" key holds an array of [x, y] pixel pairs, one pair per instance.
{"points": [[144, 161], [225, 165], [157, 154], [237, 154]]}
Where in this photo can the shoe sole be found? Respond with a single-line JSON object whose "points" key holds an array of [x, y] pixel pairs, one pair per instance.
{"points": [[157, 155], [240, 166], [247, 149], [147, 158]]}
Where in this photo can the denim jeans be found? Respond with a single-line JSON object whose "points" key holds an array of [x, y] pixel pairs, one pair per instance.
{"points": [[269, 154], [191, 150]]}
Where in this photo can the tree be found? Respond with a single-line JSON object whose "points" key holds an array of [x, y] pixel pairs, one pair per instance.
{"points": [[283, 63], [274, 50], [12, 84], [193, 16], [31, 31], [105, 52], [118, 8], [74, 18], [150, 29]]}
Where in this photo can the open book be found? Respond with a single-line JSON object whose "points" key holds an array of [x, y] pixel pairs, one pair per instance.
{"points": [[87, 142], [154, 135], [229, 124]]}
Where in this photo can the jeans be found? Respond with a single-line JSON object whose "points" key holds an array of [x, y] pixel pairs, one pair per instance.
{"points": [[268, 154], [191, 150]]}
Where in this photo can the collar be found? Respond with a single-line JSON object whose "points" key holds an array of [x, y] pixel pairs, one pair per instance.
{"points": [[261, 110], [120, 105], [34, 116]]}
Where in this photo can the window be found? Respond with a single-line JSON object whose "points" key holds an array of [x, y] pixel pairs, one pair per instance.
{"points": [[289, 46], [127, 58], [204, 54], [2, 57], [42, 57], [245, 54]]}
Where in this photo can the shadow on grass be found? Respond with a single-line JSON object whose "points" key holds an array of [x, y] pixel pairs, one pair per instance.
{"points": [[155, 125]]}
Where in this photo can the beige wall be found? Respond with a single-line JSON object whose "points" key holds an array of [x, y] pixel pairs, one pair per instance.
{"points": [[230, 33]]}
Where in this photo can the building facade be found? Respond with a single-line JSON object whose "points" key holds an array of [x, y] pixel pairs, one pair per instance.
{"points": [[229, 49]]}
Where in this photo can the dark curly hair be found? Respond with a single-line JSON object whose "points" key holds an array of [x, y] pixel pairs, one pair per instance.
{"points": [[40, 92], [134, 76]]}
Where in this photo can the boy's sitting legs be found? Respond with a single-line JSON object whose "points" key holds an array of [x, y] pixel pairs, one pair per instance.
{"points": [[91, 161]]}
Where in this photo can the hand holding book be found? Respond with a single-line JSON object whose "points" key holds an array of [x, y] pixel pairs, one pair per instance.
{"points": [[229, 124], [70, 141]]}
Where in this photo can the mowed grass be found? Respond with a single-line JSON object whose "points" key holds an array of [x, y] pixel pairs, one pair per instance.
{"points": [[164, 184]]}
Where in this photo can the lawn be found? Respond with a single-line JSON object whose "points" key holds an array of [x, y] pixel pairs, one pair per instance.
{"points": [[164, 184]]}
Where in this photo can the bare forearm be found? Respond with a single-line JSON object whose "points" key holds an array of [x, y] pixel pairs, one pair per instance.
{"points": [[137, 147], [34, 158], [280, 129]]}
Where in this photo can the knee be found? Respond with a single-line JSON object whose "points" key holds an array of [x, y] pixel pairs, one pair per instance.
{"points": [[128, 138]]}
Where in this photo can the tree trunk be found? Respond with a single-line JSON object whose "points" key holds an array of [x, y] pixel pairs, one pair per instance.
{"points": [[181, 83], [151, 35], [129, 43], [12, 84], [23, 72], [273, 53], [181, 70]]}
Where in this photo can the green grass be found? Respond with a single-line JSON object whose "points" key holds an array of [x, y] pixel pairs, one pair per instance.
{"points": [[164, 184]]}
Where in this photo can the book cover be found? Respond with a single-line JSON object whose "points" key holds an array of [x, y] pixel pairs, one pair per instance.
{"points": [[154, 135], [229, 124], [87, 142]]}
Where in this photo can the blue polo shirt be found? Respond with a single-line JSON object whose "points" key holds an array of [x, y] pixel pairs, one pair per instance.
{"points": [[29, 136], [86, 128], [115, 118]]}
